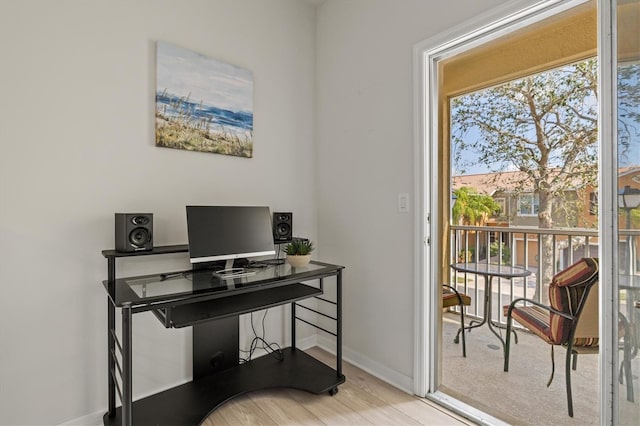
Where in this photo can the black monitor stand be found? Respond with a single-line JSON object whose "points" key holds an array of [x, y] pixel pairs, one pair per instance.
{"points": [[229, 269]]}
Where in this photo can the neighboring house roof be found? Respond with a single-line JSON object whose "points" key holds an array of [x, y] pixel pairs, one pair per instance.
{"points": [[490, 183], [626, 171]]}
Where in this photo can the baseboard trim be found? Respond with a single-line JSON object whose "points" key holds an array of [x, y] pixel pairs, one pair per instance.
{"points": [[382, 372], [93, 419], [307, 342]]}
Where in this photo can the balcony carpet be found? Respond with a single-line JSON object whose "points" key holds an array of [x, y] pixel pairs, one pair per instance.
{"points": [[520, 396]]}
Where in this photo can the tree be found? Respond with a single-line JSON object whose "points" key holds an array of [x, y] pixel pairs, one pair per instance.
{"points": [[628, 113], [471, 207], [545, 126]]}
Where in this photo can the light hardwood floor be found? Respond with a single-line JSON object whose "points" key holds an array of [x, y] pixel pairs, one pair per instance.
{"points": [[362, 400]]}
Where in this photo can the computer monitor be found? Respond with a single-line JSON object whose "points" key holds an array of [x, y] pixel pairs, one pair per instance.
{"points": [[218, 233]]}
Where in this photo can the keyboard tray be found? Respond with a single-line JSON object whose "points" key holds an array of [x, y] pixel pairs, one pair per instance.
{"points": [[186, 315]]}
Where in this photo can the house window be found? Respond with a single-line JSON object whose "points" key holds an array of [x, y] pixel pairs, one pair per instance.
{"points": [[501, 202], [528, 205]]}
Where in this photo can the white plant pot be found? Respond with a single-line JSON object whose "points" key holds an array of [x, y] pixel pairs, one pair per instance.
{"points": [[298, 261]]}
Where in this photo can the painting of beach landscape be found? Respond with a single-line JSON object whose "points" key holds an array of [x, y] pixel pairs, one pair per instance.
{"points": [[202, 104]]}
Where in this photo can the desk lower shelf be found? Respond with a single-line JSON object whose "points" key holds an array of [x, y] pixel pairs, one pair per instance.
{"points": [[191, 403]]}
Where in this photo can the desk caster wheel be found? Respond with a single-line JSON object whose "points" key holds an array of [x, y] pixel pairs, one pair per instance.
{"points": [[333, 391], [456, 340]]}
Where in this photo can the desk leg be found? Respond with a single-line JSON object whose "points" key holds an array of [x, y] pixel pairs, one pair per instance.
{"points": [[111, 330], [216, 346], [127, 382], [111, 350], [293, 326], [339, 322]]}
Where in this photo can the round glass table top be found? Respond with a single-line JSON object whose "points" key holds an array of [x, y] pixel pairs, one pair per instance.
{"points": [[491, 269]]}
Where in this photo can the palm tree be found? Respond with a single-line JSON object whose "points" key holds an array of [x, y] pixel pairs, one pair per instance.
{"points": [[471, 207]]}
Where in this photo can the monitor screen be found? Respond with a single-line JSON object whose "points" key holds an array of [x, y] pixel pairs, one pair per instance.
{"points": [[228, 232]]}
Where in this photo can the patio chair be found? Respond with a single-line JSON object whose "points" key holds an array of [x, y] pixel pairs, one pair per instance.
{"points": [[557, 324], [586, 339], [629, 351], [571, 321], [450, 298]]}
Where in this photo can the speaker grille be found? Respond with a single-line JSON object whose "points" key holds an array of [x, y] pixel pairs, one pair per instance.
{"points": [[133, 231], [139, 237], [140, 220], [282, 227]]}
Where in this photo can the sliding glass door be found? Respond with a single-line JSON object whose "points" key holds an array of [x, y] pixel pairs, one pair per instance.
{"points": [[612, 205], [625, 73]]}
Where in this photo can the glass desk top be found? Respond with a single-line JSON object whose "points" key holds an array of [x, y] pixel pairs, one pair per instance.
{"points": [[170, 286]]}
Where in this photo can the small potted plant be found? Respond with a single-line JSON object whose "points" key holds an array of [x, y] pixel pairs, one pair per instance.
{"points": [[299, 252]]}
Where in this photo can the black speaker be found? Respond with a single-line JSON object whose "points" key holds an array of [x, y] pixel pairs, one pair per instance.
{"points": [[282, 227], [134, 231]]}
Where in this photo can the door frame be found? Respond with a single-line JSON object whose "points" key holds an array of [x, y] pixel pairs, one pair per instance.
{"points": [[427, 55], [608, 210]]}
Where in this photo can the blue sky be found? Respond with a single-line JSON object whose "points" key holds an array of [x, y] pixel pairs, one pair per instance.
{"points": [[629, 155]]}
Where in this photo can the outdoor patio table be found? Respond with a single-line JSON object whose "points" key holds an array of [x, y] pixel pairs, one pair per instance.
{"points": [[488, 271]]}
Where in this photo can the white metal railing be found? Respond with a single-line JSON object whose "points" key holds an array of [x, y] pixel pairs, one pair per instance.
{"points": [[523, 247]]}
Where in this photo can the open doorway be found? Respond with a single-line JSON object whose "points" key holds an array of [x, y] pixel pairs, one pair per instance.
{"points": [[533, 42], [531, 143]]}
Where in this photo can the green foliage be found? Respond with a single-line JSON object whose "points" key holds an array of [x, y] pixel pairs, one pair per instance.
{"points": [[495, 248], [544, 125], [471, 207], [299, 247], [635, 217], [186, 131], [466, 255]]}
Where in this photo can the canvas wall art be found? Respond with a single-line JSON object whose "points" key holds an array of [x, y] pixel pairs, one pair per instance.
{"points": [[202, 104]]}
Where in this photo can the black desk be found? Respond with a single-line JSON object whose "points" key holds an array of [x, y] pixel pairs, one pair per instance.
{"points": [[488, 271], [211, 306]]}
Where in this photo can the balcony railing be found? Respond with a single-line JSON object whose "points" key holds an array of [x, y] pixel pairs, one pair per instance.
{"points": [[525, 247]]}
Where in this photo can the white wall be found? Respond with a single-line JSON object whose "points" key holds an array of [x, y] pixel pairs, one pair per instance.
{"points": [[365, 157], [76, 130]]}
